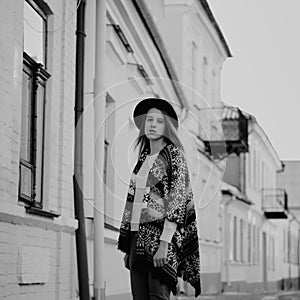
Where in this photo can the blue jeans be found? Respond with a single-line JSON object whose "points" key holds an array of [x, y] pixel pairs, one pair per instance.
{"points": [[143, 285]]}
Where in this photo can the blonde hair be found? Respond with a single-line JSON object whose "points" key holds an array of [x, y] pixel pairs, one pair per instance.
{"points": [[170, 134]]}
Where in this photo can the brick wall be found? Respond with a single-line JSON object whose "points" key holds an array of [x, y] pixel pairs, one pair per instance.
{"points": [[36, 263], [37, 254]]}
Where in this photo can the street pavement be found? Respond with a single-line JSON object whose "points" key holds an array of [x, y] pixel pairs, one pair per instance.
{"points": [[292, 295]]}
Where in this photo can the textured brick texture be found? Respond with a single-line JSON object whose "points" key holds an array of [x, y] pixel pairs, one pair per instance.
{"points": [[38, 261]]}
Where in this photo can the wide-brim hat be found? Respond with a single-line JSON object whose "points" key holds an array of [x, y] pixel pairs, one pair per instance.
{"points": [[144, 105]]}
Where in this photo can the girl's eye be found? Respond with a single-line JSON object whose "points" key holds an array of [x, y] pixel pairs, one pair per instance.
{"points": [[150, 119]]}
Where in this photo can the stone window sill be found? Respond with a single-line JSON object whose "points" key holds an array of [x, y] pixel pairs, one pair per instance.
{"points": [[42, 212]]}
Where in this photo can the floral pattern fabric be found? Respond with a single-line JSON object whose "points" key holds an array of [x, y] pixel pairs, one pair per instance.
{"points": [[168, 194]]}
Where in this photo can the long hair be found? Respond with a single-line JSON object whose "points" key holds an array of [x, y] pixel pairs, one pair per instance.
{"points": [[170, 135]]}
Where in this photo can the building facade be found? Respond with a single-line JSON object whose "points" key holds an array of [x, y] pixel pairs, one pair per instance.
{"points": [[141, 62], [257, 221], [37, 244], [288, 180]]}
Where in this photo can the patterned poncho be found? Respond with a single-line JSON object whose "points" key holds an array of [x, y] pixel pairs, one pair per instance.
{"points": [[168, 194]]}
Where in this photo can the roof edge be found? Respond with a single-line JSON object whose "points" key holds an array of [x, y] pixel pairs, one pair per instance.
{"points": [[152, 29], [212, 19], [228, 189]]}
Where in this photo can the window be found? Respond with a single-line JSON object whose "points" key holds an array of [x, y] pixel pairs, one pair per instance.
{"points": [[254, 168], [122, 37], [108, 169], [35, 32], [257, 176], [254, 245], [291, 248], [242, 240], [263, 180], [231, 238], [273, 253], [213, 88], [205, 77], [235, 246], [249, 243], [34, 84]]}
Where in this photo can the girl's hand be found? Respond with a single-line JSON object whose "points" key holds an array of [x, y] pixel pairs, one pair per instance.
{"points": [[160, 257]]}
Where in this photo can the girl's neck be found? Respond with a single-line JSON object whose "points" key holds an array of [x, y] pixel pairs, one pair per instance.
{"points": [[156, 146]]}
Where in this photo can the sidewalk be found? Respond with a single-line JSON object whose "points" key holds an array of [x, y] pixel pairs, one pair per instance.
{"points": [[291, 295], [284, 295]]}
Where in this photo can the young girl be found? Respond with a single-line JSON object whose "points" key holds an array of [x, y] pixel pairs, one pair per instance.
{"points": [[158, 230]]}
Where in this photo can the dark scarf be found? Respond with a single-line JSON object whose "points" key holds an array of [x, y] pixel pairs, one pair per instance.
{"points": [[168, 194]]}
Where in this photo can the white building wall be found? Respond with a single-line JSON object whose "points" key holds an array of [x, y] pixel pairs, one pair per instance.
{"points": [[266, 266], [262, 165], [289, 180], [125, 86], [37, 254]]}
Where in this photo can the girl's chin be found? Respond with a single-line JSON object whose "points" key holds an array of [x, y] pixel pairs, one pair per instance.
{"points": [[153, 136]]}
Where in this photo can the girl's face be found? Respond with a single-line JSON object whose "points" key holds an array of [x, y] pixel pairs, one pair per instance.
{"points": [[154, 124]]}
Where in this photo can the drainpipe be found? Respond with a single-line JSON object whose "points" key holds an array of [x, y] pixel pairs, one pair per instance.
{"points": [[81, 250], [99, 119]]}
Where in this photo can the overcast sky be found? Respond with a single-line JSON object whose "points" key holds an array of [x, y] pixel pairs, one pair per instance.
{"points": [[263, 76]]}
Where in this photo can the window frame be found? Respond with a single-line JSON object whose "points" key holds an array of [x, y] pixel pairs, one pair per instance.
{"points": [[254, 245], [258, 237], [35, 118], [242, 259], [108, 180], [39, 77], [43, 10], [205, 78], [249, 254], [235, 238]]}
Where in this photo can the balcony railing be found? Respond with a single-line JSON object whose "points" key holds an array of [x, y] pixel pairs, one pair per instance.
{"points": [[233, 133], [275, 203]]}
